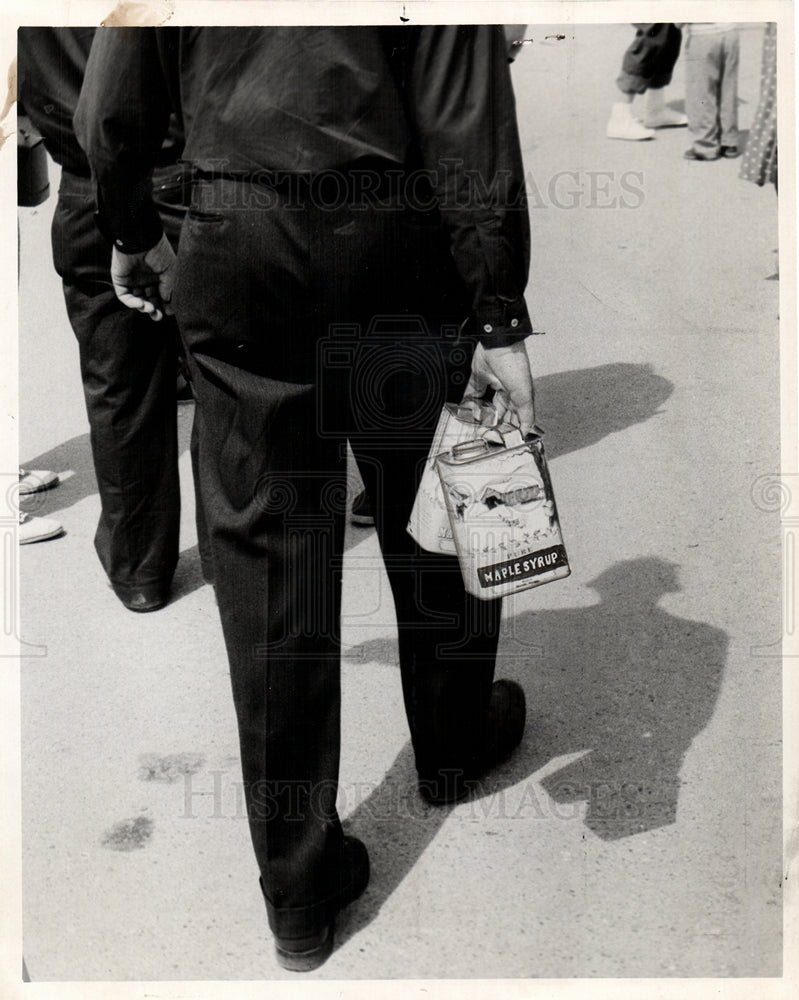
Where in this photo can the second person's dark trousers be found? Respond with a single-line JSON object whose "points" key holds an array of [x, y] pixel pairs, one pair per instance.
{"points": [[128, 368]]}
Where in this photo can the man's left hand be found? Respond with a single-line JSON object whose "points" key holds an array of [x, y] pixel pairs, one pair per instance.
{"points": [[507, 370]]}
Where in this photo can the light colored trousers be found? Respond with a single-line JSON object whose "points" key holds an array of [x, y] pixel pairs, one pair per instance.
{"points": [[711, 90]]}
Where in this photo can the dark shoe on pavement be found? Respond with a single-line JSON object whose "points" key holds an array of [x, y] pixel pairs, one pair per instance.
{"points": [[307, 953], [362, 514], [143, 601], [504, 730], [730, 152]]}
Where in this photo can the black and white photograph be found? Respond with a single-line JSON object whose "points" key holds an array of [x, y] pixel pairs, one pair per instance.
{"points": [[400, 499]]}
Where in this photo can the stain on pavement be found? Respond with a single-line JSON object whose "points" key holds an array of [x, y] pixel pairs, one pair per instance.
{"points": [[169, 768], [129, 834]]}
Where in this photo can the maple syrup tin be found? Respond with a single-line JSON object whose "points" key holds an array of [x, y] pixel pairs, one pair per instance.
{"points": [[503, 516], [429, 521]]}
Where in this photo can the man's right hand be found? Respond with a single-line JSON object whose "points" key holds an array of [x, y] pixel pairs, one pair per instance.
{"points": [[144, 281]]}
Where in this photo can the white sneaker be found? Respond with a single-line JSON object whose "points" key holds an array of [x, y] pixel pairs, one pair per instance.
{"points": [[37, 529], [36, 480], [665, 118], [656, 114], [622, 125]]}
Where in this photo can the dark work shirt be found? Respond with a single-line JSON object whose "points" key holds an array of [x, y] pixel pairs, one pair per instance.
{"points": [[50, 67], [51, 63], [310, 99]]}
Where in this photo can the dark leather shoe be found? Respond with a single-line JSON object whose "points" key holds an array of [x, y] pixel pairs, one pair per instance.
{"points": [[507, 711], [504, 730], [143, 602], [304, 954]]}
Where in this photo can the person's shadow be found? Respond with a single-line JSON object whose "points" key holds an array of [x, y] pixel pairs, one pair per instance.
{"points": [[581, 407], [623, 683], [643, 684]]}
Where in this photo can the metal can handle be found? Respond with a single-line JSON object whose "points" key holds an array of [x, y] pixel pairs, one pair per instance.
{"points": [[469, 449]]}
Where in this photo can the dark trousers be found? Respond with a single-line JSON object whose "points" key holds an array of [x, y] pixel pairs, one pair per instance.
{"points": [[305, 327], [649, 60], [128, 367]]}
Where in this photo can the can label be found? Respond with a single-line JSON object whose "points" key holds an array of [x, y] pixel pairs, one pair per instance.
{"points": [[530, 566], [503, 516]]}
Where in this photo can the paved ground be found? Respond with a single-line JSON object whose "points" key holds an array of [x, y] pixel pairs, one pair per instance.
{"points": [[637, 832]]}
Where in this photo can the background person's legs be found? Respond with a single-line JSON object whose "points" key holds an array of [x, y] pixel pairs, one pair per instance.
{"points": [[728, 103], [128, 367], [703, 67], [647, 64]]}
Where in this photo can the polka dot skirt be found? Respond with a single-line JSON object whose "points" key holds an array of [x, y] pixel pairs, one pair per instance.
{"points": [[759, 163]]}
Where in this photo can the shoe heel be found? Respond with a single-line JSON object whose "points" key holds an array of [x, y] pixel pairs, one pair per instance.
{"points": [[306, 959]]}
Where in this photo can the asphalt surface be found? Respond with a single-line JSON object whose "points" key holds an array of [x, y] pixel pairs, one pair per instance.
{"points": [[637, 832]]}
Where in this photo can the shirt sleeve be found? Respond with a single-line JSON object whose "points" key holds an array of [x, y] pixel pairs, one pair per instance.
{"points": [[121, 121], [462, 112]]}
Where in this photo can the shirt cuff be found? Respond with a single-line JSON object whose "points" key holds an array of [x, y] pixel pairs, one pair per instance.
{"points": [[141, 234], [502, 322], [132, 226]]}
